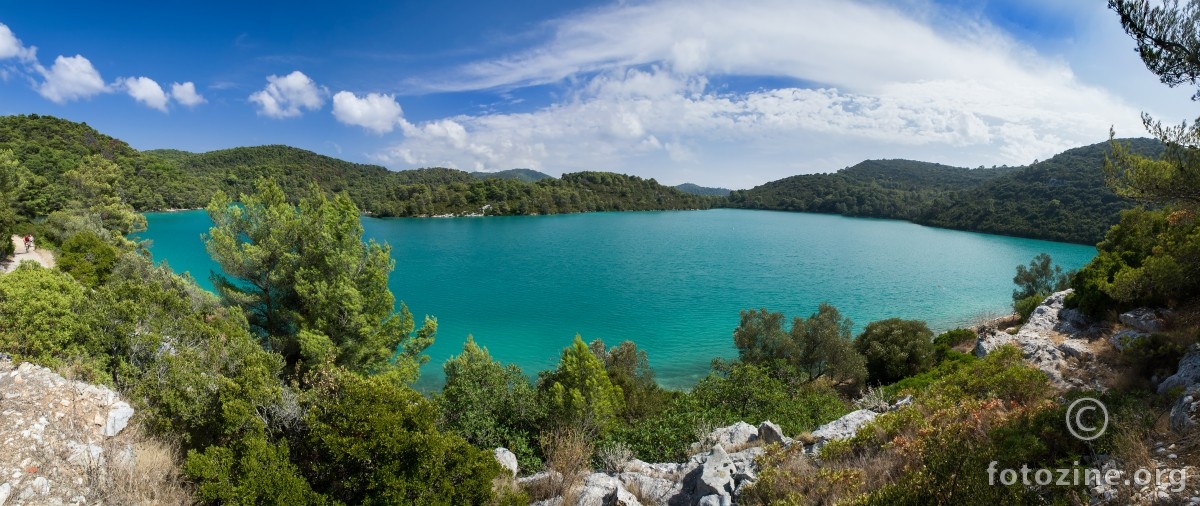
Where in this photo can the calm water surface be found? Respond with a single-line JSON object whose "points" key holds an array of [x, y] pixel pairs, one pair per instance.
{"points": [[673, 282]]}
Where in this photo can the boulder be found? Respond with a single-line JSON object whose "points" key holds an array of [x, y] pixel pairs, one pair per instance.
{"points": [[769, 432], [842, 428], [1188, 373], [990, 339], [539, 479], [1184, 412], [1143, 319], [668, 471], [716, 476], [1076, 348], [902, 402], [654, 490], [118, 417], [1125, 338], [507, 460], [715, 500], [734, 435], [599, 489]]}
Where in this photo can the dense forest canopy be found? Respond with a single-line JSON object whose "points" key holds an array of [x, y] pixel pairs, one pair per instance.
{"points": [[1064, 198]]}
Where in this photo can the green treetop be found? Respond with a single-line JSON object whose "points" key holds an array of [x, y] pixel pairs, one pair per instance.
{"points": [[580, 393], [1168, 40], [312, 290]]}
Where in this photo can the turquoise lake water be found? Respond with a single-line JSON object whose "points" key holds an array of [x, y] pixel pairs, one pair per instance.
{"points": [[673, 282]]}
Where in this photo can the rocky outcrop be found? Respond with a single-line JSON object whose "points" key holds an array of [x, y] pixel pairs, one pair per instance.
{"points": [[65, 442], [731, 437], [507, 460], [770, 433], [842, 428], [1187, 374], [1126, 338], [1144, 319], [1052, 334], [600, 489], [714, 476]]}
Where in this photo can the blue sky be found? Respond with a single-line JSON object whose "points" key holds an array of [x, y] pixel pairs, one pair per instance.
{"points": [[719, 93]]}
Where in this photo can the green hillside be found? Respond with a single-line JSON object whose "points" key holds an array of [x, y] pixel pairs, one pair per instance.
{"points": [[696, 189], [172, 179], [1063, 198], [526, 175]]}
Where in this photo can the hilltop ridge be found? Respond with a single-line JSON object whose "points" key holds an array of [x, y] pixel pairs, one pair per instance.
{"points": [[1063, 198]]}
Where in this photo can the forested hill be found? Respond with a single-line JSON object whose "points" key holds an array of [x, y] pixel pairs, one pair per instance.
{"points": [[696, 189], [1062, 199], [431, 191], [50, 147], [526, 175]]}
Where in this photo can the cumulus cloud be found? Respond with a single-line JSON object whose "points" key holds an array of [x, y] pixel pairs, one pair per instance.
{"points": [[11, 46], [145, 90], [374, 112], [287, 96], [644, 87], [70, 78], [185, 94]]}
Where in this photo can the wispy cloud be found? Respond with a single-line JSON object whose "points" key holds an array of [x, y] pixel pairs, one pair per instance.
{"points": [[886, 82], [11, 46], [288, 96]]}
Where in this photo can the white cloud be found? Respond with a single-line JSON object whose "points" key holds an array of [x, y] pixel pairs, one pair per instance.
{"points": [[70, 78], [145, 90], [848, 44], [286, 96], [185, 94], [11, 46], [640, 95], [375, 112]]}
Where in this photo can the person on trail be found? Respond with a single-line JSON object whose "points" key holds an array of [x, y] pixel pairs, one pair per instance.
{"points": [[28, 242]]}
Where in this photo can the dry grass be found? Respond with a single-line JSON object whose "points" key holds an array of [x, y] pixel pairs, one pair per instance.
{"points": [[145, 471], [506, 491], [615, 456], [874, 399], [635, 488], [568, 453], [790, 475]]}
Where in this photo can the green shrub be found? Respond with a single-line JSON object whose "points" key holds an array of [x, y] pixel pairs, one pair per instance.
{"points": [[373, 441], [1026, 306], [629, 369], [895, 349], [39, 319], [87, 258], [813, 348], [579, 393], [749, 393], [1156, 354], [490, 405], [666, 436]]}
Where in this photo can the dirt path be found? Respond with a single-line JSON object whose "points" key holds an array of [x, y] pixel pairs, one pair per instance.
{"points": [[44, 257]]}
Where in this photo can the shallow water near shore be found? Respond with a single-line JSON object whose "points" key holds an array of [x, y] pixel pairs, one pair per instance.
{"points": [[673, 282]]}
